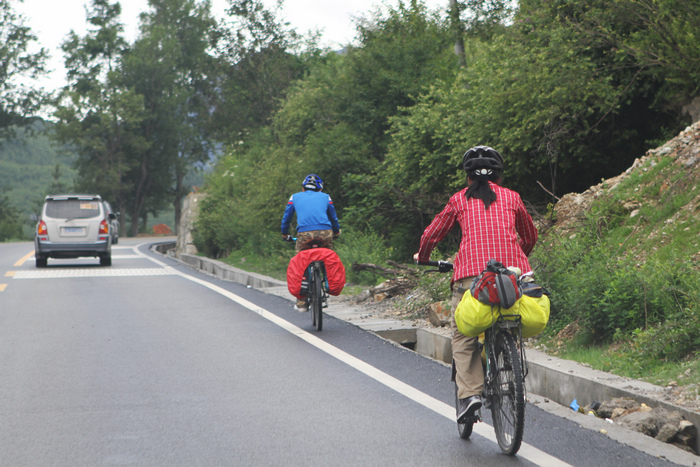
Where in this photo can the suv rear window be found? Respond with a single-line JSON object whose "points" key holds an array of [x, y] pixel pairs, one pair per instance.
{"points": [[72, 208]]}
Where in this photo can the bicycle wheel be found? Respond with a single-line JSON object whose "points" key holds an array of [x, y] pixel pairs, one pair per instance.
{"points": [[508, 405], [312, 295], [465, 429], [317, 300]]}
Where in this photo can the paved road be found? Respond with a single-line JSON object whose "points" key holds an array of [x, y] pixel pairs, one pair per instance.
{"points": [[148, 362]]}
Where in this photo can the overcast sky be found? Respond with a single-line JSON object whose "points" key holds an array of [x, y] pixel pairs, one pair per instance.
{"points": [[52, 20]]}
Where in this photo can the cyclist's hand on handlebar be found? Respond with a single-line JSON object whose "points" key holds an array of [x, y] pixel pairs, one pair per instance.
{"points": [[443, 266], [286, 237]]}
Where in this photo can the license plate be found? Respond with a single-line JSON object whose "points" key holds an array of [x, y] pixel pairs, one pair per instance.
{"points": [[73, 230]]}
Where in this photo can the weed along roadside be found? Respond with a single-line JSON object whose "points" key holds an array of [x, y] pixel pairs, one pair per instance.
{"points": [[552, 383]]}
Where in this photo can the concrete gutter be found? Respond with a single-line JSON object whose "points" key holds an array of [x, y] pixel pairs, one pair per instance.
{"points": [[550, 378]]}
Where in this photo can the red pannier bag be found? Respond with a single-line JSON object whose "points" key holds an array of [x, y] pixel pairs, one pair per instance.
{"points": [[335, 271]]}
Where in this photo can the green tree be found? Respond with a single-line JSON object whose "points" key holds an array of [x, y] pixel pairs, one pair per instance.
{"points": [[171, 67], [97, 113], [336, 120], [332, 122], [18, 100], [567, 90], [403, 52], [659, 37], [627, 112], [257, 63], [559, 104], [57, 185]]}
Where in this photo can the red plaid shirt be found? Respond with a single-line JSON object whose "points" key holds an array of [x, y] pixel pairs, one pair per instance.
{"points": [[505, 232]]}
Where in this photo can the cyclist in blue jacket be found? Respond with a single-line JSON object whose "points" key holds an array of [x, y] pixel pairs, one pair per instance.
{"points": [[317, 221], [316, 217]]}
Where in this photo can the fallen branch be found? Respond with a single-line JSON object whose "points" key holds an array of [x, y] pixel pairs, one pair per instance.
{"points": [[398, 270], [549, 192], [393, 287], [403, 267]]}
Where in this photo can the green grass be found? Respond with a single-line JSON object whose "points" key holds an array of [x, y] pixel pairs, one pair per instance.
{"points": [[350, 289], [275, 267], [622, 361]]}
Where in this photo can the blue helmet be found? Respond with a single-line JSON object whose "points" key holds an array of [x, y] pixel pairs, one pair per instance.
{"points": [[313, 182]]}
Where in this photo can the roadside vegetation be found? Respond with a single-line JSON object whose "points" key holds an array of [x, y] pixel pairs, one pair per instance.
{"points": [[568, 91], [623, 263], [351, 246], [571, 92]]}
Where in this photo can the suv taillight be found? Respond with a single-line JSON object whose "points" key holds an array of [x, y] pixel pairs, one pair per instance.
{"points": [[41, 228], [104, 227]]}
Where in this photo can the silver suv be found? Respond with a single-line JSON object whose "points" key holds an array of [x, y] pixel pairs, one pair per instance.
{"points": [[73, 226]]}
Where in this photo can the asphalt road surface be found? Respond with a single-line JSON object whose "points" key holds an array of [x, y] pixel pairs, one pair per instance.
{"points": [[148, 362]]}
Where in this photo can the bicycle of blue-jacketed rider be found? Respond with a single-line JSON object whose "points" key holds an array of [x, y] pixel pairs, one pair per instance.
{"points": [[318, 292], [505, 368], [317, 296]]}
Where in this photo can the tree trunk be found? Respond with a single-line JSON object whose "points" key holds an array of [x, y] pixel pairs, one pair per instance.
{"points": [[458, 31], [140, 197], [179, 195]]}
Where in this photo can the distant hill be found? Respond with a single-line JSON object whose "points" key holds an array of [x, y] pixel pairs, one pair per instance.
{"points": [[28, 162]]}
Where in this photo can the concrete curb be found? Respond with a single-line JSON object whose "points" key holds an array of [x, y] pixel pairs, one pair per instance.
{"points": [[552, 378], [229, 273]]}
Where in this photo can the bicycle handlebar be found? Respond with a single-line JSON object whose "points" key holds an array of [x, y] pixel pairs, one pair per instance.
{"points": [[443, 266]]}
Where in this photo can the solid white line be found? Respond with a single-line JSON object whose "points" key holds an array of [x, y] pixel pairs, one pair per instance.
{"points": [[527, 451]]}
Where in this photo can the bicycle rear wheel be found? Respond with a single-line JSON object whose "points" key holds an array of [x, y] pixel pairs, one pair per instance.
{"points": [[317, 300], [508, 406]]}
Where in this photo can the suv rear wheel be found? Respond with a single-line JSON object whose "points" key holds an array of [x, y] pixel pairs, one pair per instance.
{"points": [[41, 261], [106, 259]]}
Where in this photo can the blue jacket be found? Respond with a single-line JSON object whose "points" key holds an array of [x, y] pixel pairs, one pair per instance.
{"points": [[315, 211]]}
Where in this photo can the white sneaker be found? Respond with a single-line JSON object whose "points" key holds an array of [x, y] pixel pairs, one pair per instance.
{"points": [[301, 309]]}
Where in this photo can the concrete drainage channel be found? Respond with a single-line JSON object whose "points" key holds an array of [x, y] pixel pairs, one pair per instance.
{"points": [[424, 342], [550, 378]]}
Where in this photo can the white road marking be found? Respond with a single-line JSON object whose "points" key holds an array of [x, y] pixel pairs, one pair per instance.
{"points": [[527, 451], [106, 272], [126, 256]]}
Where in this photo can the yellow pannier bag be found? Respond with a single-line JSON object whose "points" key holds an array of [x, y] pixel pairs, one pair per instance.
{"points": [[473, 317], [534, 314]]}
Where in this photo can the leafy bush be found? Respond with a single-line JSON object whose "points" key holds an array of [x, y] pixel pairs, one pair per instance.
{"points": [[614, 296], [356, 246], [215, 233], [10, 224]]}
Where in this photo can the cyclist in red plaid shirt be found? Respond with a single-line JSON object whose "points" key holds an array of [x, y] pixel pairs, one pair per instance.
{"points": [[495, 225]]}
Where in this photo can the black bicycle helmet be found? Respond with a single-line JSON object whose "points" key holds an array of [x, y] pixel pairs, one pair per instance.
{"points": [[482, 157], [312, 182]]}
